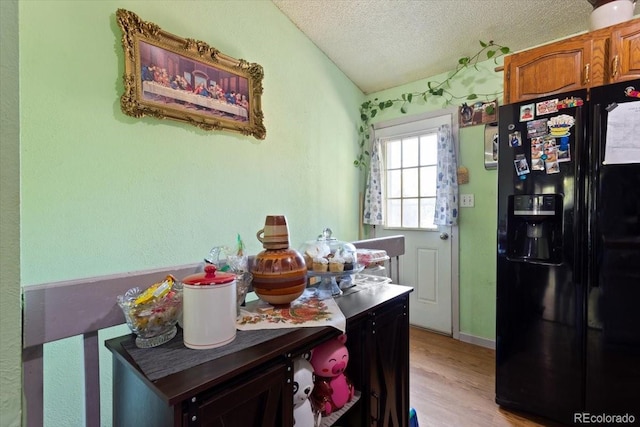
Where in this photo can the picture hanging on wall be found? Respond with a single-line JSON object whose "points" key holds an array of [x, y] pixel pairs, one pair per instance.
{"points": [[491, 146], [170, 77], [478, 113]]}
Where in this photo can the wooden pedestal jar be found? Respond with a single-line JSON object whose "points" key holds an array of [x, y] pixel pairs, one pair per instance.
{"points": [[279, 275]]}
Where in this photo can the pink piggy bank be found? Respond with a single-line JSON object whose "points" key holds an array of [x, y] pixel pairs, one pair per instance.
{"points": [[332, 389]]}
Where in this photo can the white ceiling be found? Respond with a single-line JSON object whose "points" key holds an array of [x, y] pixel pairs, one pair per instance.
{"points": [[381, 44]]}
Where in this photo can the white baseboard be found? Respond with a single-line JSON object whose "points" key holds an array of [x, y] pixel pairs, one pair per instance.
{"points": [[482, 342]]}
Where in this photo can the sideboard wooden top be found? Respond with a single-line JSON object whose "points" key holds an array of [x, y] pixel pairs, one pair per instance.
{"points": [[176, 387]]}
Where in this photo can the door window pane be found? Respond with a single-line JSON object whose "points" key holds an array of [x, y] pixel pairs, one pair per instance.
{"points": [[410, 213], [427, 211], [410, 175], [394, 213], [428, 181], [429, 149], [394, 154], [410, 152], [410, 182], [394, 183]]}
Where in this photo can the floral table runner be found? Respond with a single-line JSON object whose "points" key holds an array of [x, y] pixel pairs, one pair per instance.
{"points": [[306, 311]]}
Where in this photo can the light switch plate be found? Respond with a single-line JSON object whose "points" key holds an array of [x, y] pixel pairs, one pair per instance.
{"points": [[467, 201]]}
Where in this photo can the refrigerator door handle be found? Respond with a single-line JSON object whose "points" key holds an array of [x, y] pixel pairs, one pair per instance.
{"points": [[593, 181]]}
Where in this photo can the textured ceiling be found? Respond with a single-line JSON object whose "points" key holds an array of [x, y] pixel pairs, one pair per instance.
{"points": [[380, 44]]}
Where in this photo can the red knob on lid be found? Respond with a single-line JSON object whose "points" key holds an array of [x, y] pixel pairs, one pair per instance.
{"points": [[210, 277], [209, 271]]}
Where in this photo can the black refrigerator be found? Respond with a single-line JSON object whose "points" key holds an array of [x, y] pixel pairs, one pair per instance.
{"points": [[568, 257]]}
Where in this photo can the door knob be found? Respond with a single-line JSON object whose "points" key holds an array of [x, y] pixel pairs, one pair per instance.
{"points": [[444, 236]]}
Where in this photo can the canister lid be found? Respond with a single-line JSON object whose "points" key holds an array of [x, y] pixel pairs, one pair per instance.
{"points": [[210, 276]]}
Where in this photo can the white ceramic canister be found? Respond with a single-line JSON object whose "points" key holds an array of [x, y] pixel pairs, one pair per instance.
{"points": [[610, 12], [209, 309]]}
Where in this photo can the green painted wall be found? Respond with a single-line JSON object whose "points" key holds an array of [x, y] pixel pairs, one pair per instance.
{"points": [[477, 254], [104, 193], [476, 225], [10, 336]]}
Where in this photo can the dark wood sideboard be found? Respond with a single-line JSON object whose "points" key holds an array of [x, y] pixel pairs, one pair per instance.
{"points": [[253, 387]]}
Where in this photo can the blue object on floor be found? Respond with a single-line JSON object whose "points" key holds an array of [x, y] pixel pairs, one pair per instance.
{"points": [[413, 418]]}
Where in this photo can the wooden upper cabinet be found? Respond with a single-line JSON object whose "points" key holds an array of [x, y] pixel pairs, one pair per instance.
{"points": [[607, 55], [548, 69], [625, 52]]}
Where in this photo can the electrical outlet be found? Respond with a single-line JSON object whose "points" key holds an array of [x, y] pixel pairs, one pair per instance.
{"points": [[467, 201]]}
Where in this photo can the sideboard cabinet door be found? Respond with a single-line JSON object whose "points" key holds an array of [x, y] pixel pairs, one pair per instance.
{"points": [[261, 399], [379, 366], [388, 349]]}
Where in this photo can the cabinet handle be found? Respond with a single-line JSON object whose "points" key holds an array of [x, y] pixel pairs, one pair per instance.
{"points": [[586, 75], [614, 66], [375, 406]]}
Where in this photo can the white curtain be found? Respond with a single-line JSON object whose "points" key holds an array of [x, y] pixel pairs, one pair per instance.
{"points": [[372, 212], [447, 180]]}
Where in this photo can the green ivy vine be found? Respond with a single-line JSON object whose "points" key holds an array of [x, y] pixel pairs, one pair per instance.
{"points": [[369, 109]]}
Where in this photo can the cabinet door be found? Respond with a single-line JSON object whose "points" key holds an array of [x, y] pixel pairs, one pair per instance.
{"points": [[554, 68], [625, 52], [358, 372], [261, 399], [388, 349], [379, 366]]}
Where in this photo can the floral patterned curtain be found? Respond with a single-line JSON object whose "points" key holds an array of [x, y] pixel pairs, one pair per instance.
{"points": [[372, 212], [447, 185]]}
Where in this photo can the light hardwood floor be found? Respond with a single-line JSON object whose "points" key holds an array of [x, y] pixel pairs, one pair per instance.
{"points": [[452, 383]]}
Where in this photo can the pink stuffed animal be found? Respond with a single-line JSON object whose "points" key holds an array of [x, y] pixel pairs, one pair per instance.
{"points": [[332, 388]]}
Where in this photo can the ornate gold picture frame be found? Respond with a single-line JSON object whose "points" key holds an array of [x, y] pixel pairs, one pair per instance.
{"points": [[168, 77]]}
